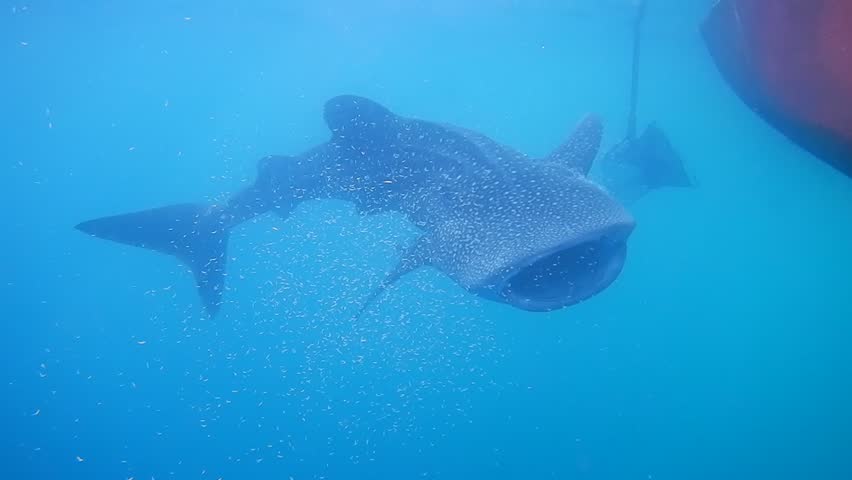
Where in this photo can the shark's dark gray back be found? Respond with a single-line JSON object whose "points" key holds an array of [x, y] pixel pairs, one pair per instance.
{"points": [[482, 205], [533, 234]]}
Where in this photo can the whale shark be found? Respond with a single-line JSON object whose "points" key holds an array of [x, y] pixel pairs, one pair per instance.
{"points": [[532, 233]]}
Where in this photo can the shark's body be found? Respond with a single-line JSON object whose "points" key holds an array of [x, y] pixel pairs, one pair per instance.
{"points": [[532, 233]]}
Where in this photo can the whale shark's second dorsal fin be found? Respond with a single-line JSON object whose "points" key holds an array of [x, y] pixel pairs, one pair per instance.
{"points": [[578, 152]]}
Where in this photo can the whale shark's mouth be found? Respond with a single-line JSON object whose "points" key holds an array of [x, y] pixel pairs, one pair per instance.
{"points": [[564, 275]]}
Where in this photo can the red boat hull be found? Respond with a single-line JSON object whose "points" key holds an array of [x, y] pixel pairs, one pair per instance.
{"points": [[791, 62]]}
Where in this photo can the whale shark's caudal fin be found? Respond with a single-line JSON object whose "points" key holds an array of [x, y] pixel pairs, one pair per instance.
{"points": [[190, 232], [661, 164]]}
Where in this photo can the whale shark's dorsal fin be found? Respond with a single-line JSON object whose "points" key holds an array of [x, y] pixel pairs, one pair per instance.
{"points": [[364, 122], [353, 117], [578, 152]]}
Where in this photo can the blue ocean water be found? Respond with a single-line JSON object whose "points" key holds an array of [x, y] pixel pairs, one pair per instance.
{"points": [[720, 352]]}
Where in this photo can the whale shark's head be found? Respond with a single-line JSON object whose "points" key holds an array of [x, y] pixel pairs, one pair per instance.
{"points": [[561, 275], [548, 241]]}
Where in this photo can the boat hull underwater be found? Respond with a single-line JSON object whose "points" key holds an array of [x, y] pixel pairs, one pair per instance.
{"points": [[790, 61]]}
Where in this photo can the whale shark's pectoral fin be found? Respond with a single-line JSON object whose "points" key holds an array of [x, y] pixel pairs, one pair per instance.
{"points": [[578, 152], [414, 257]]}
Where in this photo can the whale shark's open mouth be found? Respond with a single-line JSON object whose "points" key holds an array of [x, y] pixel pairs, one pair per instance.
{"points": [[564, 275]]}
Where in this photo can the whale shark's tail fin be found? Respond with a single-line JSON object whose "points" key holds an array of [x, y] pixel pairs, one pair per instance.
{"points": [[634, 167], [661, 164], [190, 232], [656, 163]]}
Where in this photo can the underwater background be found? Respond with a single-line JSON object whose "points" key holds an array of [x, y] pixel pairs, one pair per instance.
{"points": [[722, 351]]}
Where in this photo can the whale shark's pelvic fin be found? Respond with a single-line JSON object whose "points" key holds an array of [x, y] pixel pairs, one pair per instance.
{"points": [[187, 231]]}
